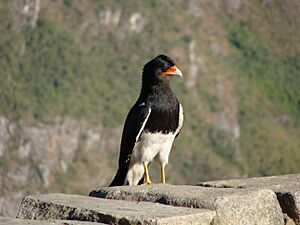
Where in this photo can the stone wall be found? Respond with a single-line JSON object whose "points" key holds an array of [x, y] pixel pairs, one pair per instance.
{"points": [[258, 201]]}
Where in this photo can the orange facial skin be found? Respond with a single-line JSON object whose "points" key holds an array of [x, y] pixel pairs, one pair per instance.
{"points": [[170, 71]]}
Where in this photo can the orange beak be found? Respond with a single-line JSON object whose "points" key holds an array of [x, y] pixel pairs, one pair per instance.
{"points": [[173, 71]]}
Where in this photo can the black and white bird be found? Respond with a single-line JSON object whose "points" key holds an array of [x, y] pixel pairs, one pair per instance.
{"points": [[151, 126]]}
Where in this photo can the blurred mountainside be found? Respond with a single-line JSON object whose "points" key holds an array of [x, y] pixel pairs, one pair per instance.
{"points": [[70, 70]]}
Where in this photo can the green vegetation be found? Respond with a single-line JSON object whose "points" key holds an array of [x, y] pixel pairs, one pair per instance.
{"points": [[277, 79], [268, 95]]}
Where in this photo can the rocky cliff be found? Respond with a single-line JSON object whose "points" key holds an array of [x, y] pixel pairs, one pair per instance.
{"points": [[39, 157]]}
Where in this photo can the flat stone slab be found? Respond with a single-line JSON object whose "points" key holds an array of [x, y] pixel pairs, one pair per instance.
{"points": [[286, 187], [76, 207], [281, 183], [14, 221], [232, 206]]}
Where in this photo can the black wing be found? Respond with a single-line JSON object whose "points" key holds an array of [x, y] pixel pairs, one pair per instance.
{"points": [[134, 125]]}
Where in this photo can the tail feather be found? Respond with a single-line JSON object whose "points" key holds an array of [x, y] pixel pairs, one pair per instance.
{"points": [[119, 179]]}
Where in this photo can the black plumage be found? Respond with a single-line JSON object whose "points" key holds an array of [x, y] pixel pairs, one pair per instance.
{"points": [[157, 111]]}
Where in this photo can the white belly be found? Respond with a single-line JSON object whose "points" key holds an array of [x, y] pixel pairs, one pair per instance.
{"points": [[150, 146], [153, 145]]}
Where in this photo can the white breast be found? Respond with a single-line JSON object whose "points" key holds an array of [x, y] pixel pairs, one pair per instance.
{"points": [[158, 145], [150, 146]]}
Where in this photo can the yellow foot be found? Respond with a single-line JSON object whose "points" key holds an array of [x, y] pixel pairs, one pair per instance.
{"points": [[147, 182]]}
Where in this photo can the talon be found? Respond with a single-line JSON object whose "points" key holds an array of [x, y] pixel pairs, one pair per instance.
{"points": [[147, 182]]}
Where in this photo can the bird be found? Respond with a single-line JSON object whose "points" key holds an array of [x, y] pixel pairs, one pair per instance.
{"points": [[151, 126]]}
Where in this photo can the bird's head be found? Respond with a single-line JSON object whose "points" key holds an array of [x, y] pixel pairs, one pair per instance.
{"points": [[160, 68]]}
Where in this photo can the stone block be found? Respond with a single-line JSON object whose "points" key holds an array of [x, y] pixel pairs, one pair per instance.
{"points": [[286, 187], [281, 183], [14, 221], [232, 206], [83, 208]]}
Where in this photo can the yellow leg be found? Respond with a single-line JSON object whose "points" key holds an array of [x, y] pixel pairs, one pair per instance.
{"points": [[162, 174], [147, 181]]}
